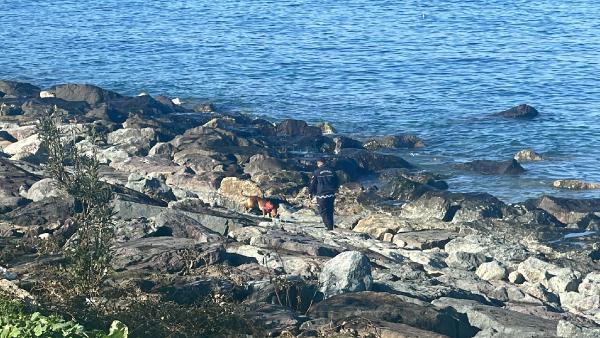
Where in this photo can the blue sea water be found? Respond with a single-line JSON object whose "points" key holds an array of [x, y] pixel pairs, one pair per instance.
{"points": [[437, 69]]}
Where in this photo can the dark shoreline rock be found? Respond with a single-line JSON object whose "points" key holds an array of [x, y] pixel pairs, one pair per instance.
{"points": [[491, 167]]}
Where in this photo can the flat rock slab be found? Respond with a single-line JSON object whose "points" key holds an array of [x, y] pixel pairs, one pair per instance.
{"points": [[426, 239], [299, 243], [388, 330], [395, 309], [500, 320], [166, 254]]}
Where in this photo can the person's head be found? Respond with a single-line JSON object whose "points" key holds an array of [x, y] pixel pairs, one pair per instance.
{"points": [[320, 162]]}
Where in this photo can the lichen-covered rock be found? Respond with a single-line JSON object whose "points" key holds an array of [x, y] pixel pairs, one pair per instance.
{"points": [[555, 278], [465, 260], [44, 188], [349, 271], [135, 141], [527, 155], [491, 271], [575, 185], [590, 285], [567, 329]]}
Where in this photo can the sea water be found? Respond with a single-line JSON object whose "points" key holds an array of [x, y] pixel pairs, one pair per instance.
{"points": [[437, 69]]}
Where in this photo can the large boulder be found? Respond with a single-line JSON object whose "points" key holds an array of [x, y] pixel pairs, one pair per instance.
{"points": [[13, 182], [590, 285], [166, 255], [521, 111], [30, 145], [395, 309], [553, 277], [398, 141], [93, 95], [455, 207], [357, 162], [349, 271], [570, 330], [491, 271], [499, 321], [177, 224], [51, 210], [134, 141], [18, 89], [45, 188], [491, 167], [41, 106], [152, 186], [294, 128], [566, 210]]}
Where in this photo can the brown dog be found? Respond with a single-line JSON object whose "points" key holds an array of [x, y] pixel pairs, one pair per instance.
{"points": [[265, 205]]}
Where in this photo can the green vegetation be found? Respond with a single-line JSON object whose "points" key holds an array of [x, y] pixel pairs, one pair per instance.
{"points": [[16, 322], [90, 250]]}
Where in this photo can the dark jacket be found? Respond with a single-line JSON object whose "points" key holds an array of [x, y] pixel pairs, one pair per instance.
{"points": [[323, 182]]}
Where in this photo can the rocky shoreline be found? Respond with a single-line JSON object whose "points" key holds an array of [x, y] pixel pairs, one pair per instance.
{"points": [[410, 258]]}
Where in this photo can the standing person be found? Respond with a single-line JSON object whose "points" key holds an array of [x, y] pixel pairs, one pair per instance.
{"points": [[323, 185]]}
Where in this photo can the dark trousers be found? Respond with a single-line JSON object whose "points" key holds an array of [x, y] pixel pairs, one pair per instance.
{"points": [[326, 210]]}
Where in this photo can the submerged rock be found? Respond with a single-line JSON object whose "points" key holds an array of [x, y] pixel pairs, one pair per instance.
{"points": [[575, 185], [521, 111], [527, 155]]}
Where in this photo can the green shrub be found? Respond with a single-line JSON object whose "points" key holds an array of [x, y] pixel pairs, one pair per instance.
{"points": [[90, 251], [16, 322]]}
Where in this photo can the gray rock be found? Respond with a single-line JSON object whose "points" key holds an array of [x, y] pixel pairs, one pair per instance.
{"points": [[566, 210], [423, 240], [505, 322], [590, 285], [491, 271], [527, 155], [465, 260], [162, 149], [166, 254], [570, 330], [395, 309], [178, 224], [135, 141], [575, 185], [151, 186], [349, 271], [44, 188], [297, 243], [553, 277]]}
